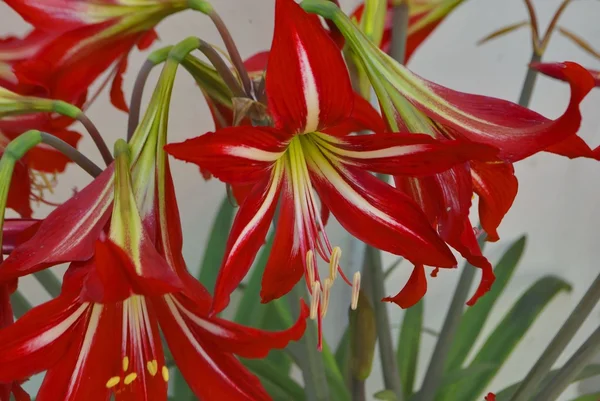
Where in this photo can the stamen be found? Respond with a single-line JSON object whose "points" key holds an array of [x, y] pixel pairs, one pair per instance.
{"points": [[113, 381], [165, 373], [314, 303], [334, 261], [310, 267], [355, 290], [152, 367], [326, 292], [130, 378], [125, 364]]}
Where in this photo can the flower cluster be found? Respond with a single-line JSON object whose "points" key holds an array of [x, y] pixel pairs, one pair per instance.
{"points": [[294, 141]]}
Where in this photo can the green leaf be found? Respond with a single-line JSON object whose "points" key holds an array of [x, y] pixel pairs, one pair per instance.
{"points": [[342, 355], [273, 374], [181, 390], [476, 316], [586, 373], [337, 386], [507, 335], [49, 281], [20, 304], [385, 395], [215, 247], [457, 376], [409, 342], [588, 397], [250, 311]]}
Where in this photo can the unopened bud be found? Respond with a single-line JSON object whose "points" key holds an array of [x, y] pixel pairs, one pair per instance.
{"points": [[363, 337]]}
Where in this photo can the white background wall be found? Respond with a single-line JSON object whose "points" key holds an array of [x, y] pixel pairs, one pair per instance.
{"points": [[558, 201]]}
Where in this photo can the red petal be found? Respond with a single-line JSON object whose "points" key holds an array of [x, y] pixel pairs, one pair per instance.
{"points": [[52, 15], [147, 39], [68, 233], [573, 147], [517, 131], [6, 312], [404, 154], [363, 117], [378, 214], [247, 235], [285, 265], [17, 231], [308, 86], [201, 361], [557, 70], [19, 191], [257, 63], [490, 397], [235, 155], [412, 292], [497, 187], [107, 280], [117, 97]]}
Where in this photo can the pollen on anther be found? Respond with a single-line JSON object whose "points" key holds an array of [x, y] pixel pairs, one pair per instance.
{"points": [[130, 378], [165, 373], [334, 261], [152, 367], [355, 290], [310, 267], [314, 303], [327, 283], [125, 364], [113, 381]]}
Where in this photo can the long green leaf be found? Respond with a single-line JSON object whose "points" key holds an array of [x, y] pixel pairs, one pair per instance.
{"points": [[342, 355], [409, 342], [507, 335], [588, 397], [272, 373], [588, 372], [476, 316], [215, 247], [335, 378], [20, 304]]}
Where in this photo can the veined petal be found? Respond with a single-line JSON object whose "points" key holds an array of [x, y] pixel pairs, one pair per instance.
{"points": [[285, 266], [247, 235], [497, 187], [414, 289], [17, 231], [308, 86], [201, 362], [404, 154], [517, 131], [557, 71], [236, 155], [377, 213], [68, 233]]}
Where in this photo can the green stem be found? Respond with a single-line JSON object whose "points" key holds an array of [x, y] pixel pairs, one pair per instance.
{"points": [[529, 84], [391, 375], [136, 97], [571, 369], [564, 336], [358, 390], [435, 370], [20, 304], [49, 281], [77, 157], [400, 15], [96, 137]]}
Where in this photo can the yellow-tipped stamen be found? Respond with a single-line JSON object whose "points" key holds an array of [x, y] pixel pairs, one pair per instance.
{"points": [[314, 303], [152, 367], [165, 373], [334, 261], [355, 290], [113, 381], [125, 364], [327, 284], [130, 378], [310, 268]]}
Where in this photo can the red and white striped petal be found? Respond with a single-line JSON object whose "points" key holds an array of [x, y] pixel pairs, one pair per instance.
{"points": [[247, 235], [517, 131], [363, 118], [497, 187], [308, 86], [377, 213], [403, 154], [68, 233], [236, 155], [201, 362]]}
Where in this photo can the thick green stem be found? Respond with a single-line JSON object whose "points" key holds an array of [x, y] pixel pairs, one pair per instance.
{"points": [[358, 390], [565, 376], [96, 137], [400, 15], [77, 157], [564, 336], [391, 375], [529, 84]]}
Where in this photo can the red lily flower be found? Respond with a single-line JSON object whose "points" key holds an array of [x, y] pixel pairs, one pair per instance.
{"points": [[311, 101], [93, 37], [490, 397], [555, 70], [424, 17]]}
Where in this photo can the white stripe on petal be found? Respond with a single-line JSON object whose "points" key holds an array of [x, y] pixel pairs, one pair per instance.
{"points": [[311, 93], [55, 332], [205, 324], [253, 153]]}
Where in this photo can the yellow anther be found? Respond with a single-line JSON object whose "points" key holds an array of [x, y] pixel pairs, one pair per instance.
{"points": [[327, 284], [152, 367], [130, 378], [334, 261], [355, 290], [113, 381], [125, 363], [314, 303], [165, 373], [310, 267]]}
